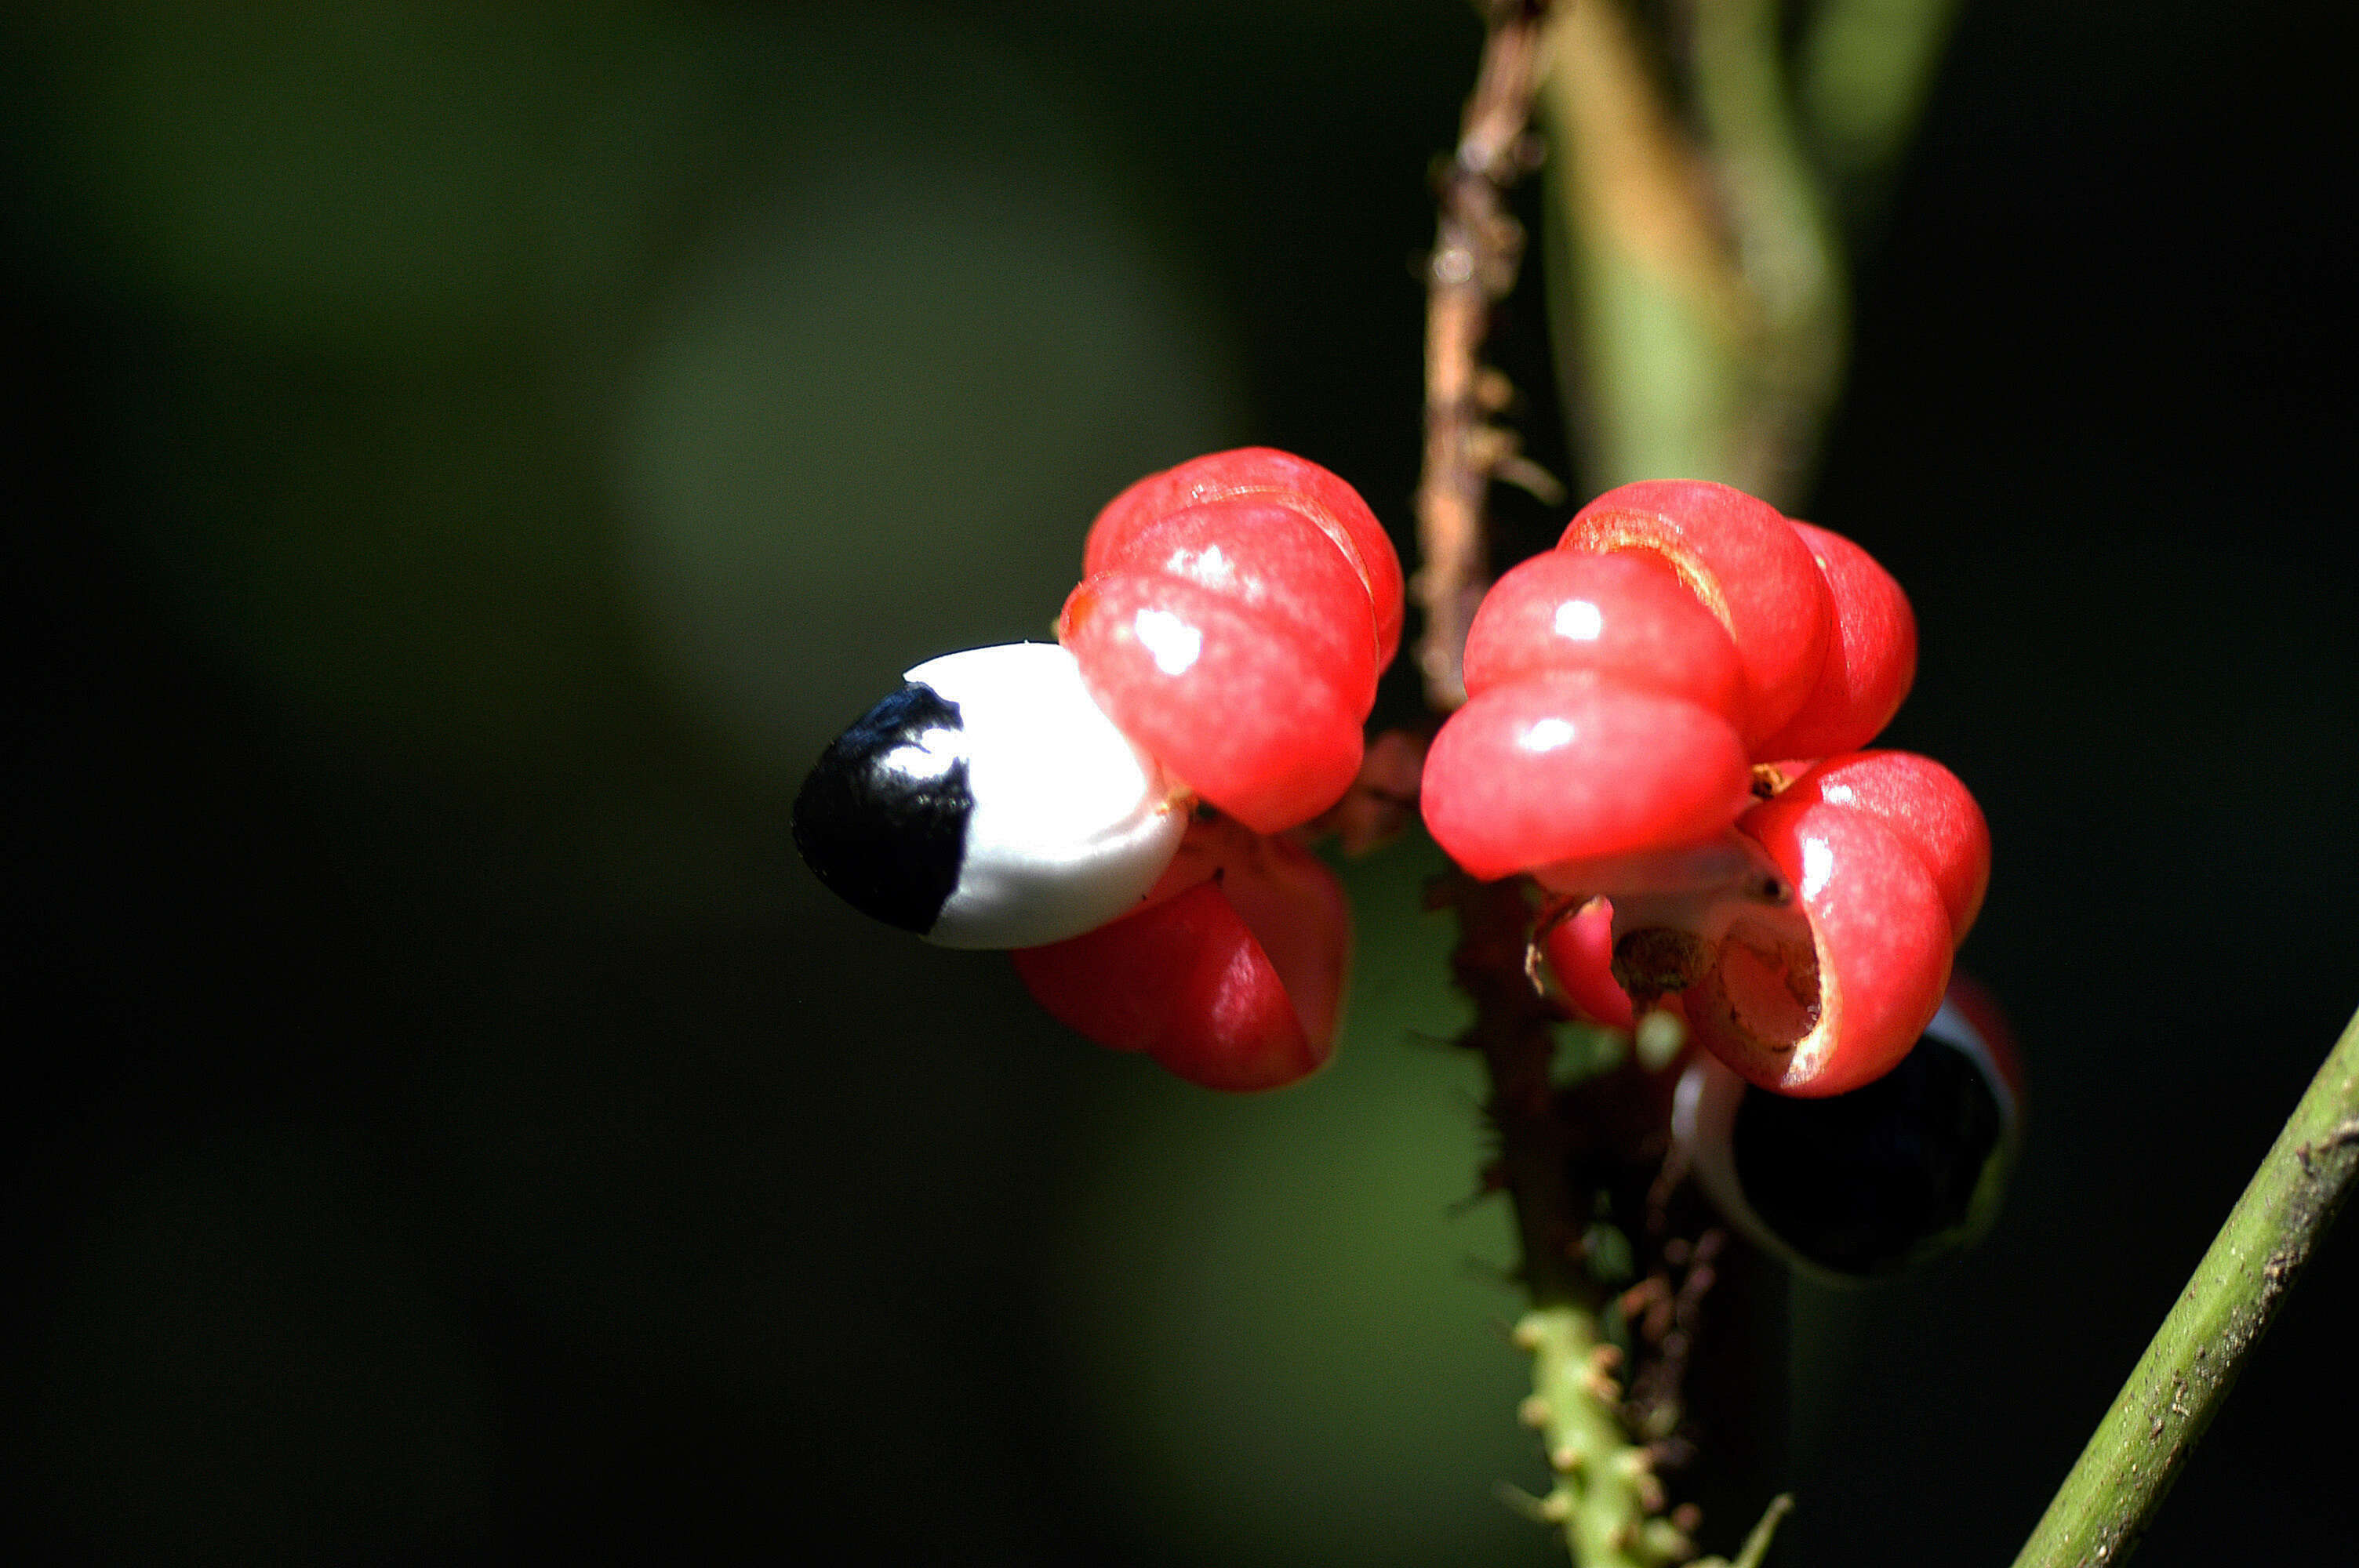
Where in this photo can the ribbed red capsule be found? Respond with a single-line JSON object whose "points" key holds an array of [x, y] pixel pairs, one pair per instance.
{"points": [[1812, 981], [1575, 767], [1237, 614], [1744, 563], [1263, 473], [1626, 617], [1232, 977], [1871, 661], [1923, 803]]}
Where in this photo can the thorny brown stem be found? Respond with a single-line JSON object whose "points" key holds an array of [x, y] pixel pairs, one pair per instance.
{"points": [[1595, 1184], [1477, 247], [1583, 1165]]}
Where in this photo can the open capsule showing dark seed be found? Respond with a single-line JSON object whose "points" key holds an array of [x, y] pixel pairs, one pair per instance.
{"points": [[1865, 1184]]}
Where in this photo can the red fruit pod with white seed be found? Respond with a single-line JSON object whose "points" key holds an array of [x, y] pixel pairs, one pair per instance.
{"points": [[1231, 978], [1744, 563]]}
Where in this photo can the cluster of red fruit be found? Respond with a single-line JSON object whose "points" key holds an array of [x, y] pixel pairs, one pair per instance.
{"points": [[1237, 612], [1663, 720], [1662, 728]]}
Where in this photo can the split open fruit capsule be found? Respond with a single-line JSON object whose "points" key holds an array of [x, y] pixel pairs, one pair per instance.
{"points": [[989, 803], [1232, 977], [1865, 1184]]}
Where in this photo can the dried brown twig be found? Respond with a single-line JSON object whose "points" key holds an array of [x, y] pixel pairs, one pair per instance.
{"points": [[1563, 1150], [1477, 248]]}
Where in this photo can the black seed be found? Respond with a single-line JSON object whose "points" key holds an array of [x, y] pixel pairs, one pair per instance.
{"points": [[888, 837], [1868, 1181]]}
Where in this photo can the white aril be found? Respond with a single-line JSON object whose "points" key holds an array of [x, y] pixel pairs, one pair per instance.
{"points": [[989, 803]]}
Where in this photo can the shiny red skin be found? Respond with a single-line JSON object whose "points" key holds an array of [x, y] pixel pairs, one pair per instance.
{"points": [[1624, 616], [1748, 567], [1881, 949], [1273, 562], [1280, 477], [1870, 664], [1580, 956], [1233, 982], [1927, 808], [1568, 767], [1220, 693]]}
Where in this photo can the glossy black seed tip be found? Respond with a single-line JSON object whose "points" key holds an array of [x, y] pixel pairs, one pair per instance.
{"points": [[880, 820], [1870, 1182]]}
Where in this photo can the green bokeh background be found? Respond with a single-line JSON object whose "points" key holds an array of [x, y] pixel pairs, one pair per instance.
{"points": [[463, 462]]}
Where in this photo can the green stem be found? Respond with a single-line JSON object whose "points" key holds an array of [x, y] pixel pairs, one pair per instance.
{"points": [[1866, 68], [1697, 281], [1605, 1496], [1784, 245], [2105, 1504]]}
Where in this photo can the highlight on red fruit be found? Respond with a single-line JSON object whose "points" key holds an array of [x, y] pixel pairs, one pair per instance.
{"points": [[1284, 480], [1925, 807], [1623, 616], [1838, 1007], [1232, 974], [1746, 565], [1870, 663], [1225, 699], [1571, 767], [1237, 614], [1273, 563]]}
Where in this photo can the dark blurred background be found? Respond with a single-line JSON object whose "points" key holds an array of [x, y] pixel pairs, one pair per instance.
{"points": [[461, 463]]}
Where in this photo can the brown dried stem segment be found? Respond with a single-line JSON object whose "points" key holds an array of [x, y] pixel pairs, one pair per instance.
{"points": [[1607, 1499], [1477, 247], [2105, 1504]]}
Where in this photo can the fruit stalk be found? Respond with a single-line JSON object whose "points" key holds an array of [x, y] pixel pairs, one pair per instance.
{"points": [[1612, 1518], [2121, 1479], [1574, 1398]]}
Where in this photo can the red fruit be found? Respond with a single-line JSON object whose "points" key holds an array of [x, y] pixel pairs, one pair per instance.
{"points": [[1580, 955], [1747, 565], [1285, 479], [1227, 699], [1277, 566], [1571, 767], [1925, 806], [1834, 1006], [1870, 664], [1235, 983], [1623, 616]]}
